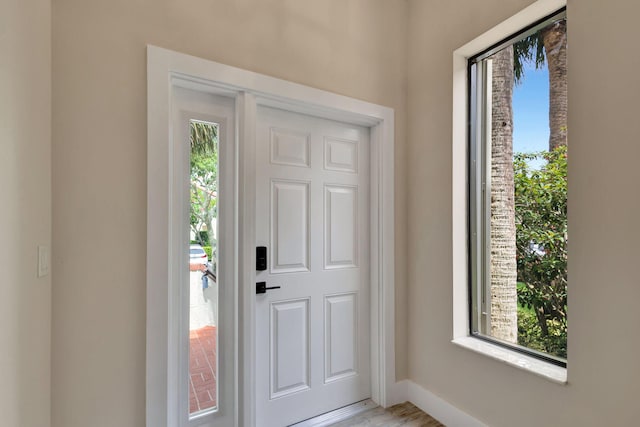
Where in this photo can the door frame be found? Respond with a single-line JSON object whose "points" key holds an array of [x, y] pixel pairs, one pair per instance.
{"points": [[167, 70]]}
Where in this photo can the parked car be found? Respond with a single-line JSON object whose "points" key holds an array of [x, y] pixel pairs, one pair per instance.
{"points": [[197, 255]]}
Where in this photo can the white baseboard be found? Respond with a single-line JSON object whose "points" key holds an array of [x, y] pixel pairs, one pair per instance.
{"points": [[400, 393], [435, 406]]}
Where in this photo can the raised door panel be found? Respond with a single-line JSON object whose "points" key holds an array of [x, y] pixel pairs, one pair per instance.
{"points": [[290, 147], [340, 155], [340, 314], [341, 228], [289, 226], [289, 347]]}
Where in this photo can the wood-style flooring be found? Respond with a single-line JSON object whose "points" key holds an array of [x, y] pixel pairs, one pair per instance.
{"points": [[405, 414]]}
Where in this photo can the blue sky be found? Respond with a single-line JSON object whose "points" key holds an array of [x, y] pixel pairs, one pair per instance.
{"points": [[531, 111]]}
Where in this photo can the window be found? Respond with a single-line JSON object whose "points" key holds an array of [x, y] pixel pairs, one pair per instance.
{"points": [[202, 224], [518, 191], [203, 261]]}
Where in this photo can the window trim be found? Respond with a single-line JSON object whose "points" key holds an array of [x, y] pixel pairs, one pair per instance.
{"points": [[525, 32], [536, 14]]}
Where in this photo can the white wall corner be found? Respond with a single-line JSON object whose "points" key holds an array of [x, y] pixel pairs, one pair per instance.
{"points": [[439, 408]]}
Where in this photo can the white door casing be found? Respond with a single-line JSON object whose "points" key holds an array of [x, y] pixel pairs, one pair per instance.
{"points": [[312, 199], [187, 105], [166, 72]]}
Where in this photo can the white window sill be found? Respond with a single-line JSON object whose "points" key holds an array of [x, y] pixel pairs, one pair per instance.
{"points": [[547, 370]]}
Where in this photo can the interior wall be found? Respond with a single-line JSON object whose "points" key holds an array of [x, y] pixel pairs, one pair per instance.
{"points": [[603, 348], [355, 48], [25, 211]]}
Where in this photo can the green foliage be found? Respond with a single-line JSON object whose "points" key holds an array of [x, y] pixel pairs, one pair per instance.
{"points": [[203, 137], [541, 244], [202, 238], [208, 251], [529, 49], [204, 180], [530, 335]]}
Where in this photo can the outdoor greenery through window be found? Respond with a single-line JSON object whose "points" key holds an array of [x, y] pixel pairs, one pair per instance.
{"points": [[518, 191], [203, 270]]}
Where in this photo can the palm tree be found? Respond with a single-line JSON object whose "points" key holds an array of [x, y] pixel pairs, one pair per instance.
{"points": [[554, 39], [203, 137], [549, 46], [503, 268]]}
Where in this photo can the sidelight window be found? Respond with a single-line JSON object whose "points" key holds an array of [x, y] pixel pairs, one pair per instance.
{"points": [[203, 279]]}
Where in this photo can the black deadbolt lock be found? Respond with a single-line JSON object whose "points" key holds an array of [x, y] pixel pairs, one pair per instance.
{"points": [[261, 258]]}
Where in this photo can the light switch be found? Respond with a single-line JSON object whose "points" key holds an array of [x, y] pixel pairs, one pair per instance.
{"points": [[43, 261]]}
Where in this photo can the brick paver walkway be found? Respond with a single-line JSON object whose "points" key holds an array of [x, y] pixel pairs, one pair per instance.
{"points": [[202, 369]]}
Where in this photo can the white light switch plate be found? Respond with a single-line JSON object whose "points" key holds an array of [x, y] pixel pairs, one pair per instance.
{"points": [[43, 261]]}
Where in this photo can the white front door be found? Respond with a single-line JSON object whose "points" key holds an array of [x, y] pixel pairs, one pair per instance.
{"points": [[312, 215]]}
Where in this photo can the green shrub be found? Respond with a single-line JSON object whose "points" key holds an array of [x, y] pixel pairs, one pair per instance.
{"points": [[203, 238], [530, 334], [208, 250], [541, 241]]}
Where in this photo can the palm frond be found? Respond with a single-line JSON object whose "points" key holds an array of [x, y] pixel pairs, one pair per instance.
{"points": [[527, 50], [203, 137]]}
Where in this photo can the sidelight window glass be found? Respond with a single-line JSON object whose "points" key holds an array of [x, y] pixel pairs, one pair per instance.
{"points": [[203, 274]]}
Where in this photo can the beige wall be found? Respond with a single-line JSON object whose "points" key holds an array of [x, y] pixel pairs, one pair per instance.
{"points": [[25, 212], [604, 200], [356, 48]]}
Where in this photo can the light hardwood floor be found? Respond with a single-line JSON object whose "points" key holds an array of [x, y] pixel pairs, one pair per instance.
{"points": [[405, 414]]}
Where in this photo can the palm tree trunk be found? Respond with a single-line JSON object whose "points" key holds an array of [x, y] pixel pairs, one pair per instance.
{"points": [[504, 299], [554, 39]]}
